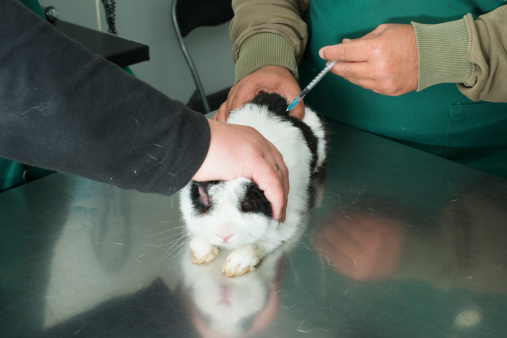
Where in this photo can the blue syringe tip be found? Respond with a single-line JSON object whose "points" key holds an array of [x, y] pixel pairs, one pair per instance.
{"points": [[293, 103]]}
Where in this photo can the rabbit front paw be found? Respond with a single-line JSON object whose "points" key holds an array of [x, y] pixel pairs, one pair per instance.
{"points": [[202, 251], [242, 260]]}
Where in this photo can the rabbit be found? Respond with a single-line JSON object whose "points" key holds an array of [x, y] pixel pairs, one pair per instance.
{"points": [[235, 215]]}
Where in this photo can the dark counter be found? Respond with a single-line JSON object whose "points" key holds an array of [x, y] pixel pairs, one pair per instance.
{"points": [[115, 49]]}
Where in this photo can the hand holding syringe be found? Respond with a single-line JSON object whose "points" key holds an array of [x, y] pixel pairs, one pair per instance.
{"points": [[311, 85]]}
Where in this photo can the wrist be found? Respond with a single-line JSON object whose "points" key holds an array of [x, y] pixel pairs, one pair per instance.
{"points": [[265, 49], [200, 173], [442, 53]]}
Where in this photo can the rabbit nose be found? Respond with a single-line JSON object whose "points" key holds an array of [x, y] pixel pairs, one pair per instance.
{"points": [[225, 236]]}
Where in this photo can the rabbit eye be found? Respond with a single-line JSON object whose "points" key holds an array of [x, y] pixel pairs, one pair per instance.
{"points": [[255, 201], [248, 205]]}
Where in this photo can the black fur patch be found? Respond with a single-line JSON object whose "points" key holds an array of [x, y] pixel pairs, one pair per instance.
{"points": [[255, 201], [275, 103], [278, 105]]}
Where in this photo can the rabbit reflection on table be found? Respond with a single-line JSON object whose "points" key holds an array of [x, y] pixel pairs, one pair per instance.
{"points": [[235, 215], [233, 307]]}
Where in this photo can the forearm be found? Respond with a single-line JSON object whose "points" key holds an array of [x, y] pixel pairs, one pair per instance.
{"points": [[268, 32], [467, 52], [71, 111]]}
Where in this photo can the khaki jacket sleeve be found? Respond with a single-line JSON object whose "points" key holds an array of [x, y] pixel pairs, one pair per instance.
{"points": [[488, 54], [267, 32], [467, 52]]}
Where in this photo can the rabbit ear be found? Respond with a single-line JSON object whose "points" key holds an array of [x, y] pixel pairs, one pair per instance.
{"points": [[201, 199], [203, 195]]}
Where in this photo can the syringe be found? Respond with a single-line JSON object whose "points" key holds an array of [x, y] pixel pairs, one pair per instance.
{"points": [[311, 85]]}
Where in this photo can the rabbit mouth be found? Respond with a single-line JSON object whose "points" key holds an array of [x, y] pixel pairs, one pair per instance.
{"points": [[226, 239]]}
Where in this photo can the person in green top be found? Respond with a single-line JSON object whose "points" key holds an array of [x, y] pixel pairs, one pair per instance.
{"points": [[432, 78]]}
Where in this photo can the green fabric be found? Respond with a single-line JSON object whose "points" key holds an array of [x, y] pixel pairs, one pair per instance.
{"points": [[34, 6], [436, 49], [254, 54], [128, 70], [439, 119], [11, 174]]}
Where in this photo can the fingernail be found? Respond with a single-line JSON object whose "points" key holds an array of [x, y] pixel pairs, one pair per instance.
{"points": [[321, 54], [346, 40]]}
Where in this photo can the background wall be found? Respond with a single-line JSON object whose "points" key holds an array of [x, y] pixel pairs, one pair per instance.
{"points": [[150, 22]]}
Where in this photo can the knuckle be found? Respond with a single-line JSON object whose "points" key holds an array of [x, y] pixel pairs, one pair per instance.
{"points": [[346, 70], [383, 69], [343, 53], [377, 51]]}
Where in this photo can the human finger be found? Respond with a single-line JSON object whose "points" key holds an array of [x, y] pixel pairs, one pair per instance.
{"points": [[357, 70], [353, 50], [275, 164], [245, 93], [271, 176], [224, 110], [271, 184], [221, 115], [379, 86], [238, 95], [283, 171], [365, 83]]}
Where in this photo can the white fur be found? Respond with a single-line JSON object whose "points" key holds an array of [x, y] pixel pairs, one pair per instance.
{"points": [[256, 230]]}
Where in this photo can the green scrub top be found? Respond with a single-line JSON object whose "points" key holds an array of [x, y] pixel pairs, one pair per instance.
{"points": [[11, 174], [439, 120], [34, 6]]}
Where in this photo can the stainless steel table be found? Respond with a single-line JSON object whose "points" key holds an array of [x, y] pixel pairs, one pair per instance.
{"points": [[399, 244]]}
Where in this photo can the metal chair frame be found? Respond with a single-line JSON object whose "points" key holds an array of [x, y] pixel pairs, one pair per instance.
{"points": [[189, 60]]}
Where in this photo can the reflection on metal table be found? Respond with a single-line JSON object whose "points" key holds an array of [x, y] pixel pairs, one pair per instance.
{"points": [[400, 244]]}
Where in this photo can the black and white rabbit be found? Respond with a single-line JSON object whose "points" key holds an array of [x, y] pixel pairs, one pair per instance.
{"points": [[235, 215]]}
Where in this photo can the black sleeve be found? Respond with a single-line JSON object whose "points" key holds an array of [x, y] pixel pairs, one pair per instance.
{"points": [[66, 109]]}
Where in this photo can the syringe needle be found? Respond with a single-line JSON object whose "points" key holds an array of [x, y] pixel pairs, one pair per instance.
{"points": [[311, 85]]}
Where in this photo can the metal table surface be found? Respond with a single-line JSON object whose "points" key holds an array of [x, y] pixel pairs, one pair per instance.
{"points": [[400, 244]]}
